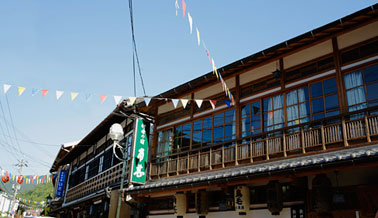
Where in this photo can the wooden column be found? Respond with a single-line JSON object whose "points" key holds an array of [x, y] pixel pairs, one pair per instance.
{"points": [[339, 77], [367, 129], [237, 116]]}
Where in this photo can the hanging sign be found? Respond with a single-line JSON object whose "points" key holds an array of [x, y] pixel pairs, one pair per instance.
{"points": [[140, 152], [242, 199], [61, 182]]}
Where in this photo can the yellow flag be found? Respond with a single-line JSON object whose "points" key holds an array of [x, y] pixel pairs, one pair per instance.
{"points": [[21, 90], [74, 95], [198, 37]]}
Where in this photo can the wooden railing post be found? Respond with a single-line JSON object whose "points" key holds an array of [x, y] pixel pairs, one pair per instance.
{"points": [[323, 137], [284, 143], [266, 148], [250, 152], [177, 165], [210, 167], [303, 141], [222, 156], [188, 164], [199, 161], [236, 154], [343, 126], [367, 129]]}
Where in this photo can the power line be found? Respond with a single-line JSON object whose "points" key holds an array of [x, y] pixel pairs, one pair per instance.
{"points": [[14, 131], [5, 123]]}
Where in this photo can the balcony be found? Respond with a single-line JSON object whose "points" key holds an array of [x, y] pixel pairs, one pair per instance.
{"points": [[98, 182], [334, 133]]}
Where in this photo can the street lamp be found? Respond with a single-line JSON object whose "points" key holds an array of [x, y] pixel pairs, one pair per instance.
{"points": [[116, 134]]}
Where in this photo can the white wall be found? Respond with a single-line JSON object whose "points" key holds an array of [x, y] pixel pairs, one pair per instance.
{"points": [[262, 213]]}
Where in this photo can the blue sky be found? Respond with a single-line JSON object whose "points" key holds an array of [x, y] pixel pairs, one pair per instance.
{"points": [[85, 46]]}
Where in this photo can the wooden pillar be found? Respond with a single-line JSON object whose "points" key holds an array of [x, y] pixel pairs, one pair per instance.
{"points": [[339, 77], [303, 141], [343, 126], [284, 144], [323, 137], [367, 129]]}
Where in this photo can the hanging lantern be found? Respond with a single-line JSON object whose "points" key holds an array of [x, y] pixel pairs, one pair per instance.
{"points": [[201, 203], [5, 178], [180, 204], [20, 179], [274, 197], [322, 194], [242, 200]]}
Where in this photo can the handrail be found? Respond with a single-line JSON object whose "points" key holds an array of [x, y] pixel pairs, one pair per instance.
{"points": [[264, 134]]}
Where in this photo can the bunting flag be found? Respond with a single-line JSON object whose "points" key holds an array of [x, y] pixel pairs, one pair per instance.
{"points": [[198, 37], [175, 102], [6, 88], [103, 98], [147, 101], [199, 102], [183, 8], [190, 22], [213, 103], [21, 90], [44, 92], [35, 91], [177, 7], [74, 95], [117, 99], [132, 100], [228, 102], [184, 102], [59, 94], [208, 55], [88, 97]]}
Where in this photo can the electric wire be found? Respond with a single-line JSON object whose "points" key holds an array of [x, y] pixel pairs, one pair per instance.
{"points": [[134, 44], [5, 123], [14, 130]]}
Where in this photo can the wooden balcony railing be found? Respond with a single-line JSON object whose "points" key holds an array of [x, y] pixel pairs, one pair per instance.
{"points": [[100, 181], [349, 129]]}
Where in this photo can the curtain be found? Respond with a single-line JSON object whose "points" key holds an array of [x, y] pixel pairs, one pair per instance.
{"points": [[355, 96], [278, 114], [292, 109], [303, 108]]}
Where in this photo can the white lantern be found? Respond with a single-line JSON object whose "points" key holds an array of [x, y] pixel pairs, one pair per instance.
{"points": [[180, 204], [242, 201]]}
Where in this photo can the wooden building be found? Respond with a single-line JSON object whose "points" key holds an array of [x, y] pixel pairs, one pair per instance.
{"points": [[300, 141]]}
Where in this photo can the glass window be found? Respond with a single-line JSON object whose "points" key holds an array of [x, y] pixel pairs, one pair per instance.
{"points": [[371, 74], [330, 86], [324, 99], [251, 120], [298, 109], [164, 143], [316, 90], [273, 114]]}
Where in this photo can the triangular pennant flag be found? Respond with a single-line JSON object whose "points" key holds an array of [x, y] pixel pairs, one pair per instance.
{"points": [[183, 8], [215, 71], [176, 6], [103, 98], [190, 22], [74, 95], [44, 92], [21, 90], [117, 99], [88, 96], [222, 81], [35, 91], [184, 102], [199, 102], [6, 88], [228, 103], [59, 94], [132, 100], [198, 37], [175, 102], [213, 103], [147, 101]]}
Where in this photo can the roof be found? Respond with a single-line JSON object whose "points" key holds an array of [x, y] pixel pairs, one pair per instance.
{"points": [[64, 149], [276, 51], [307, 162]]}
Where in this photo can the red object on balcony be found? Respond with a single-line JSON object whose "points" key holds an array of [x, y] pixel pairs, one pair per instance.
{"points": [[20, 179], [5, 178]]}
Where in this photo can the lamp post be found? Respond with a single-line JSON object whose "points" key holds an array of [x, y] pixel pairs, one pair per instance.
{"points": [[116, 134]]}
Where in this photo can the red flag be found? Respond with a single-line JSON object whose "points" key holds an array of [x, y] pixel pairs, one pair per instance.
{"points": [[44, 92], [208, 55], [103, 97], [213, 103], [183, 8]]}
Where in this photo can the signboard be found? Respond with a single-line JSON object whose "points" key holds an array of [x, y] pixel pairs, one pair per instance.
{"points": [[242, 200], [140, 152], [61, 182]]}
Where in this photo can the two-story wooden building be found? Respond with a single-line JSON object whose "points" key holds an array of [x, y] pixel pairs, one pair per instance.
{"points": [[300, 140]]}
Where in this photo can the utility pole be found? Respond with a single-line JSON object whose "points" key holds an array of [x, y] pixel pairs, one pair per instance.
{"points": [[20, 165]]}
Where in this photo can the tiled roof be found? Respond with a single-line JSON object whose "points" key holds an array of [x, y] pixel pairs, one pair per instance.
{"points": [[220, 176]]}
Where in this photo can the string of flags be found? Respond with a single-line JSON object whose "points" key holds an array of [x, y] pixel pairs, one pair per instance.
{"points": [[211, 60], [32, 179], [24, 201], [130, 100]]}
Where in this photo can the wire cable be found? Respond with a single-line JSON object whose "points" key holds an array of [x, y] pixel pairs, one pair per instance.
{"points": [[14, 130]]}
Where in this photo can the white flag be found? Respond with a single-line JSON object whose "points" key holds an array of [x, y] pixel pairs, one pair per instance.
{"points": [[199, 102], [6, 88], [175, 102], [190, 23], [177, 6], [132, 100], [59, 94], [117, 99], [184, 102]]}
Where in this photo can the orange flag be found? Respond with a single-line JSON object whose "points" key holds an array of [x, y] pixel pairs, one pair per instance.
{"points": [[183, 8], [44, 92], [103, 98]]}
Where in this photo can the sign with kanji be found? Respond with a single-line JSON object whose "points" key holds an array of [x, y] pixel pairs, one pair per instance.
{"points": [[61, 182], [242, 201], [140, 152]]}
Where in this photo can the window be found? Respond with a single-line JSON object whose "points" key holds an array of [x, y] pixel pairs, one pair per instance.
{"points": [[298, 108], [86, 172], [273, 113], [251, 118], [202, 131], [362, 88], [101, 164], [324, 100], [164, 143], [224, 127], [182, 137], [108, 158]]}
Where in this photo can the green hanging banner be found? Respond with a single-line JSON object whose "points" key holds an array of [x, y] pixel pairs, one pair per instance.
{"points": [[140, 152]]}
